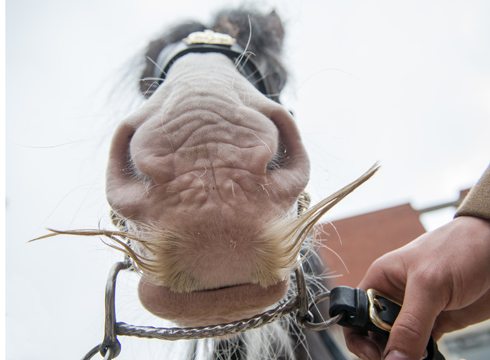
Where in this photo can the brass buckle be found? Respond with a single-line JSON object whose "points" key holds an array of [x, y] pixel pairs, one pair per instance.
{"points": [[209, 37], [374, 305]]}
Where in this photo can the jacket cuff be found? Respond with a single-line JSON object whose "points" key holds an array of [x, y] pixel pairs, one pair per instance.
{"points": [[477, 202]]}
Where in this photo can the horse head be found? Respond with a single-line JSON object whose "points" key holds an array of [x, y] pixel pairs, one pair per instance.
{"points": [[207, 172]]}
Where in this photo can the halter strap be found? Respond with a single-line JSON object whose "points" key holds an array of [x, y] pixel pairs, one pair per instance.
{"points": [[209, 41]]}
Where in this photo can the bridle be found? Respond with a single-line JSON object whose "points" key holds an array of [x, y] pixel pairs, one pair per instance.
{"points": [[209, 41]]}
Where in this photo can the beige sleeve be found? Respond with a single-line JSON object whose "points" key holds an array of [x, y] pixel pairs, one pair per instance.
{"points": [[477, 202]]}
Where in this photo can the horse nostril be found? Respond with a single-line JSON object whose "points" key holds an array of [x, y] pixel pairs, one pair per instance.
{"points": [[280, 157]]}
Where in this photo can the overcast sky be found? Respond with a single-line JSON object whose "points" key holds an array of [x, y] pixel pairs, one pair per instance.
{"points": [[406, 84]]}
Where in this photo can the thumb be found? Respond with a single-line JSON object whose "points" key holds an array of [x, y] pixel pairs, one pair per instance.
{"points": [[411, 331]]}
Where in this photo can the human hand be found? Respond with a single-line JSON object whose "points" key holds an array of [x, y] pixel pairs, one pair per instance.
{"points": [[443, 278]]}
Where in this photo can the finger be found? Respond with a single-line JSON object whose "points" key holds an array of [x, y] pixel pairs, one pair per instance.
{"points": [[413, 326], [457, 319], [386, 275], [361, 345]]}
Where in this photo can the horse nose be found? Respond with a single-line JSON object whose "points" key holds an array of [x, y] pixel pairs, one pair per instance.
{"points": [[257, 141], [199, 147]]}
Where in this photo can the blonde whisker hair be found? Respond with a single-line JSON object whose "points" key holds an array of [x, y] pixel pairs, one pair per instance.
{"points": [[294, 232], [156, 251]]}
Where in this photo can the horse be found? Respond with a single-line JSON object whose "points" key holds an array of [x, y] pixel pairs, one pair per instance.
{"points": [[206, 184]]}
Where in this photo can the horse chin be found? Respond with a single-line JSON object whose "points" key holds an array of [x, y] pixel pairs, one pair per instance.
{"points": [[211, 306]]}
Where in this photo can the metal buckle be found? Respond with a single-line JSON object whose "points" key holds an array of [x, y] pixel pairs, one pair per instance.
{"points": [[375, 307], [209, 37]]}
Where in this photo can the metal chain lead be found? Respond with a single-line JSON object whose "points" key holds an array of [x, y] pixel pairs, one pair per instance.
{"points": [[110, 346], [207, 331]]}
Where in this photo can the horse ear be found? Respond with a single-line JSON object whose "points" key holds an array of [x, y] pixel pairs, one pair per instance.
{"points": [[275, 24]]}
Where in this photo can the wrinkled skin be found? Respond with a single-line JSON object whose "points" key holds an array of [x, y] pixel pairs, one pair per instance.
{"points": [[196, 158]]}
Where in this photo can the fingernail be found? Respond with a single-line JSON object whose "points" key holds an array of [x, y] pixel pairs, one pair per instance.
{"points": [[396, 355]]}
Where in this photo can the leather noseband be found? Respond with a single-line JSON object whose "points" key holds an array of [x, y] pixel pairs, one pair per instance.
{"points": [[209, 41]]}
